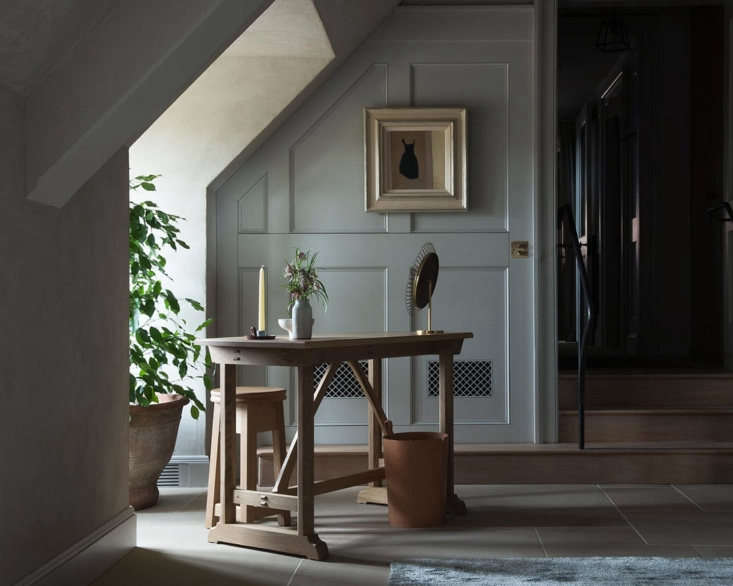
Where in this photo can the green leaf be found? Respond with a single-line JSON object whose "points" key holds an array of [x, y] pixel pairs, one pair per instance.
{"points": [[205, 324], [142, 337], [148, 307], [183, 244], [155, 334], [172, 301], [147, 186], [138, 231], [208, 383], [182, 369], [194, 412], [195, 304]]}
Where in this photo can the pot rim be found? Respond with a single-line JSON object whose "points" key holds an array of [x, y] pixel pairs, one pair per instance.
{"points": [[170, 401]]}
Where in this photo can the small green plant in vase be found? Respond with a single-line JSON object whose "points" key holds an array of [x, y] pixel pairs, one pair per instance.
{"points": [[303, 283]]}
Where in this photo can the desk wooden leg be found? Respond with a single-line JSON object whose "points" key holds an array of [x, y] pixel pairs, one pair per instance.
{"points": [[376, 493], [227, 431], [214, 489], [375, 432], [453, 504], [305, 460]]}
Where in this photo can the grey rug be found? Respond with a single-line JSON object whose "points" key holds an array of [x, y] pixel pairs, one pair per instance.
{"points": [[600, 570]]}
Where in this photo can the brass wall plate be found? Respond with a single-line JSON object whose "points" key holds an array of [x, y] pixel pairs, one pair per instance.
{"points": [[520, 249]]}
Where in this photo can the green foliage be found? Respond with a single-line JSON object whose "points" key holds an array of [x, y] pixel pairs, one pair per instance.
{"points": [[164, 357], [302, 279]]}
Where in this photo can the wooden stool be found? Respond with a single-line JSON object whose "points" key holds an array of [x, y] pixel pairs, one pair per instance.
{"points": [[258, 409]]}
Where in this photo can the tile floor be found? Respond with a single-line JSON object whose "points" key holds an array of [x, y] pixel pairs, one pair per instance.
{"points": [[503, 520]]}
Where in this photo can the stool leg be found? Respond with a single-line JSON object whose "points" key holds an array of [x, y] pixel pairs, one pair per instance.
{"points": [[212, 493], [248, 461], [278, 454]]}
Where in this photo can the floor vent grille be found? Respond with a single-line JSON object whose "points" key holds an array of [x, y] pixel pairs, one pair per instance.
{"points": [[171, 475], [471, 378]]}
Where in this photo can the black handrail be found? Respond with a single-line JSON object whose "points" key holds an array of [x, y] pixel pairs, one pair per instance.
{"points": [[565, 213]]}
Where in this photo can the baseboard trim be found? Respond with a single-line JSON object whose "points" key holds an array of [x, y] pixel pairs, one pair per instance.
{"points": [[190, 459], [89, 557], [193, 469]]}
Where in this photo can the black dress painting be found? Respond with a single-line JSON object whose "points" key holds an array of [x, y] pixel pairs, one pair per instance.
{"points": [[408, 163]]}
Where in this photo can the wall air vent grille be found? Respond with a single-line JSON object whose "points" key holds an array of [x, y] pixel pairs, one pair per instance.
{"points": [[343, 385], [471, 378], [171, 475]]}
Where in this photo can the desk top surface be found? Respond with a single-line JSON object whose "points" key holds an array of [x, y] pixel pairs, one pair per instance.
{"points": [[335, 340]]}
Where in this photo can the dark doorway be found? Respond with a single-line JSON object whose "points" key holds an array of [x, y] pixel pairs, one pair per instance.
{"points": [[640, 160]]}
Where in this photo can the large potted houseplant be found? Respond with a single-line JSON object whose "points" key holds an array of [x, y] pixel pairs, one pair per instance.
{"points": [[164, 358]]}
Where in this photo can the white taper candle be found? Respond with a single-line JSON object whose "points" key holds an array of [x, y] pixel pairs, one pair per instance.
{"points": [[262, 322]]}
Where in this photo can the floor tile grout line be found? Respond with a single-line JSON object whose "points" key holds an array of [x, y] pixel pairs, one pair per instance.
{"points": [[295, 571], [623, 515], [689, 498], [542, 544]]}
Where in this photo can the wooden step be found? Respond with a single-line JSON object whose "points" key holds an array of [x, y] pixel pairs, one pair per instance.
{"points": [[649, 425], [649, 390], [644, 462]]}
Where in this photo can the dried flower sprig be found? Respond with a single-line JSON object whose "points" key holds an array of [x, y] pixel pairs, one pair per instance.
{"points": [[302, 279]]}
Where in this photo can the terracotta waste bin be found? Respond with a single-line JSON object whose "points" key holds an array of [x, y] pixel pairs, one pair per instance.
{"points": [[415, 467]]}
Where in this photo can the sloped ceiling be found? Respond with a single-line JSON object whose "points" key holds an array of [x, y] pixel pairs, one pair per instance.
{"points": [[237, 96], [34, 33], [95, 73], [251, 84]]}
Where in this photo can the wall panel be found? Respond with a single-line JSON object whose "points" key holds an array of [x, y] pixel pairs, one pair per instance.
{"points": [[315, 200]]}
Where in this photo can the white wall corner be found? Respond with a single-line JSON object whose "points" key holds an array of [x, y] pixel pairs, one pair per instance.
{"points": [[546, 424], [89, 557]]}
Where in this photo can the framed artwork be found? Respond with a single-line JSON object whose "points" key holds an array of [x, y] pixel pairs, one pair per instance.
{"points": [[415, 159]]}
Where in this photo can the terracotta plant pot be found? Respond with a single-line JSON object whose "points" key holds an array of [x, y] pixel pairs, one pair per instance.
{"points": [[153, 432], [415, 465]]}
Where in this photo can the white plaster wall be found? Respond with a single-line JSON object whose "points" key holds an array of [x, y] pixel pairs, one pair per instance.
{"points": [[63, 358]]}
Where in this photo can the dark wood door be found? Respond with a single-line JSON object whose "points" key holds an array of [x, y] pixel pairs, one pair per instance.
{"points": [[619, 219]]}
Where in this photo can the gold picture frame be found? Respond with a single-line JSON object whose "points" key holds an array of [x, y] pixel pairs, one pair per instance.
{"points": [[415, 160]]}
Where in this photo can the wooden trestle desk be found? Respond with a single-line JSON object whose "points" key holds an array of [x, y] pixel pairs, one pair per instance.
{"points": [[304, 355]]}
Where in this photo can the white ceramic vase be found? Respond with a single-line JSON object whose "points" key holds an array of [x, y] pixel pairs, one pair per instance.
{"points": [[302, 320]]}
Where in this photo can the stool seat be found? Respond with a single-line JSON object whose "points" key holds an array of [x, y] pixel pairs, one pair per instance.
{"points": [[252, 394]]}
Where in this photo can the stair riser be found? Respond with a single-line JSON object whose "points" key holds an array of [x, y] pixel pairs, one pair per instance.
{"points": [[648, 393], [600, 427], [591, 467], [587, 467]]}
